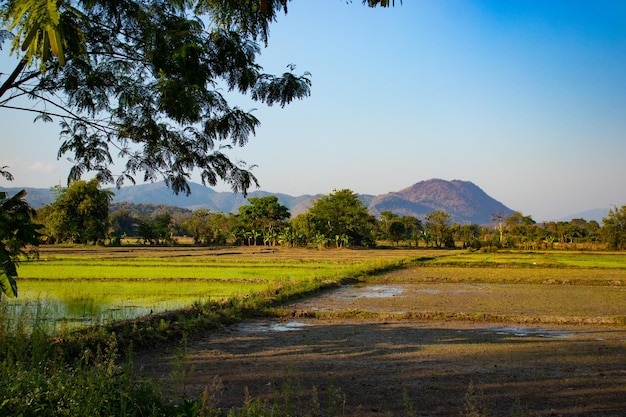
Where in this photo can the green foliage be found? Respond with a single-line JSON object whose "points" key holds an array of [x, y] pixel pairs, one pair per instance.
{"points": [[144, 82], [156, 231], [438, 225], [341, 213], [263, 220], [613, 230], [199, 227], [80, 213], [17, 231]]}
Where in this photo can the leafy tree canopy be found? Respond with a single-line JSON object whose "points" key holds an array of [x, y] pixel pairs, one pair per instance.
{"points": [[613, 229], [263, 213], [143, 81], [80, 213], [437, 224], [341, 213]]}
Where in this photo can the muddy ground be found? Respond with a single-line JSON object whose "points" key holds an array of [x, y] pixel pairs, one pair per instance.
{"points": [[375, 367]]}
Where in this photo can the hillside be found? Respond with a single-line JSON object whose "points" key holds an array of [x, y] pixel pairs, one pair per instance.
{"points": [[462, 200]]}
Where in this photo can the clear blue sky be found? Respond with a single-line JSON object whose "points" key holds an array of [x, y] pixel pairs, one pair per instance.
{"points": [[526, 99]]}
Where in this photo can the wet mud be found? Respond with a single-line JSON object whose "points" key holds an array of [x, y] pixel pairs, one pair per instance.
{"points": [[386, 367]]}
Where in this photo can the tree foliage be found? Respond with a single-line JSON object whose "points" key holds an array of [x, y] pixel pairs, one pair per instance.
{"points": [[80, 213], [144, 82], [17, 231], [437, 224], [264, 213], [207, 228], [614, 228], [263, 219], [340, 214]]}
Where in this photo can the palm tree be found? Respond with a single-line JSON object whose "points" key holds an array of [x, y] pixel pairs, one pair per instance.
{"points": [[17, 231]]}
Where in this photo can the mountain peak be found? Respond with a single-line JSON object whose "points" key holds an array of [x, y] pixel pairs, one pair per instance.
{"points": [[463, 200]]}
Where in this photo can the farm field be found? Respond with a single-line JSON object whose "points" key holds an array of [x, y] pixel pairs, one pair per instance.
{"points": [[438, 333], [88, 285], [462, 334]]}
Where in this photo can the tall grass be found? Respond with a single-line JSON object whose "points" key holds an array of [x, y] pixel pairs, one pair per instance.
{"points": [[36, 379]]}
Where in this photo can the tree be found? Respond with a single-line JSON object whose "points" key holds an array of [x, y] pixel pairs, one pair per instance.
{"points": [[613, 230], [397, 231], [80, 213], [17, 231], [264, 213], [156, 230], [144, 81], [199, 228], [498, 219], [342, 213], [123, 222], [262, 216], [386, 217], [438, 226], [468, 234], [521, 230], [413, 228]]}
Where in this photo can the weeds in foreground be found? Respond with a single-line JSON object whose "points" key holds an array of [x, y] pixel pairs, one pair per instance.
{"points": [[475, 404], [37, 381]]}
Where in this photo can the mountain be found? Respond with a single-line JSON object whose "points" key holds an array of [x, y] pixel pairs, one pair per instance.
{"points": [[462, 200], [36, 197], [203, 197], [596, 214]]}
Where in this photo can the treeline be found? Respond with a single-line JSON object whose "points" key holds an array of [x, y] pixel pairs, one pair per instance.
{"points": [[82, 213]]}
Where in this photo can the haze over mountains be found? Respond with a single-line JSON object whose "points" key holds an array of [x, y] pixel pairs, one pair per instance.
{"points": [[464, 201]]}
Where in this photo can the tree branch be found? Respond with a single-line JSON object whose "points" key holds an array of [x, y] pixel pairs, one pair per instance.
{"points": [[10, 81]]}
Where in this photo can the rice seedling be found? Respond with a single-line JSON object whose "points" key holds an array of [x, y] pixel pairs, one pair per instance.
{"points": [[551, 259], [91, 286]]}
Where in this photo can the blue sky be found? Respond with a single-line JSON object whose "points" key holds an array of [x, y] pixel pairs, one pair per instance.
{"points": [[526, 99]]}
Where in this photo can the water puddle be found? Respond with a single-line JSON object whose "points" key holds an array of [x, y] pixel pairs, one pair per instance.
{"points": [[272, 326], [529, 332], [374, 291]]}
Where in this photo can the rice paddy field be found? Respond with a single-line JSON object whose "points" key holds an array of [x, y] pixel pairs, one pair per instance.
{"points": [[87, 285], [449, 333], [409, 332]]}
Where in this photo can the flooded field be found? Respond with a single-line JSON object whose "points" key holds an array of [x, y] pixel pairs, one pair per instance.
{"points": [[516, 302], [554, 355]]}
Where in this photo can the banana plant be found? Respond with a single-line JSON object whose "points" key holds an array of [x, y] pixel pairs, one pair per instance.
{"points": [[17, 231]]}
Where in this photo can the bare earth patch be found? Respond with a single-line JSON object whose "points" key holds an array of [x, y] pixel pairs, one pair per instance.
{"points": [[390, 367]]}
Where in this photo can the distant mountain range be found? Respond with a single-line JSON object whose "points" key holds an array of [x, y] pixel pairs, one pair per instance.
{"points": [[596, 214], [464, 201]]}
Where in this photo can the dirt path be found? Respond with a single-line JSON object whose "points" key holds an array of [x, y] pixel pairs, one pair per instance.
{"points": [[359, 367]]}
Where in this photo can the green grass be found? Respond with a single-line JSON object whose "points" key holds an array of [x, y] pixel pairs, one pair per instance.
{"points": [[552, 259], [530, 274]]}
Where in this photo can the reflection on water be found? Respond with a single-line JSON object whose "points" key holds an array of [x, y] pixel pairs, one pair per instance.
{"points": [[373, 291], [80, 310], [529, 332], [272, 326]]}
